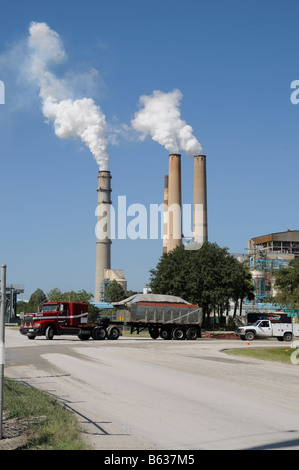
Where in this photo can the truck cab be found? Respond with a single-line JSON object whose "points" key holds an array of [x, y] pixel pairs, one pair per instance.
{"points": [[259, 328], [55, 318], [263, 328]]}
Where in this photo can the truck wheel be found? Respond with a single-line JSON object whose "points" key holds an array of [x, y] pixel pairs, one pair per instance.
{"points": [[165, 334], [249, 336], [191, 333], [30, 336], [288, 336], [154, 332], [50, 332], [83, 337], [178, 334], [99, 333], [113, 332]]}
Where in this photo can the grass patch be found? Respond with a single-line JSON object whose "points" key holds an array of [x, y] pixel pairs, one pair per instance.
{"points": [[50, 426], [142, 334], [267, 354]]}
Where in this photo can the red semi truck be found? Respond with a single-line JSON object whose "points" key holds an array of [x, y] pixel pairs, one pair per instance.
{"points": [[70, 318]]}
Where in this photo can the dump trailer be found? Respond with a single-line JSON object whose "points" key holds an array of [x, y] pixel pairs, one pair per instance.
{"points": [[70, 318]]}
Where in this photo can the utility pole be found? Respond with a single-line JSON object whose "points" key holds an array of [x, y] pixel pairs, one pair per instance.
{"points": [[2, 340]]}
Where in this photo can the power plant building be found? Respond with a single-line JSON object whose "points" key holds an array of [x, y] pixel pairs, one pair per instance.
{"points": [[268, 253], [283, 243]]}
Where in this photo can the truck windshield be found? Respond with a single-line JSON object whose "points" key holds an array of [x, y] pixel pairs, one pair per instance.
{"points": [[256, 323], [49, 308]]}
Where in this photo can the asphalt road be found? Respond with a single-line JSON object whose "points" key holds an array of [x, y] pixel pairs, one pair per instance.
{"points": [[137, 393]]}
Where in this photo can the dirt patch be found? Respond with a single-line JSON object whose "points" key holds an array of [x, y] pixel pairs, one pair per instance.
{"points": [[14, 433], [219, 335]]}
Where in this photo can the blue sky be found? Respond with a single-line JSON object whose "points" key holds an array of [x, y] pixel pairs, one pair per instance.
{"points": [[233, 62]]}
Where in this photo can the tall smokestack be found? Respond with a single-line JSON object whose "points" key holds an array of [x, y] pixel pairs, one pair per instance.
{"points": [[174, 202], [165, 216], [200, 220], [103, 255]]}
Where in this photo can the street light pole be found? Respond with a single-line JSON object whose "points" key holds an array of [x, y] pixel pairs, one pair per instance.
{"points": [[2, 340]]}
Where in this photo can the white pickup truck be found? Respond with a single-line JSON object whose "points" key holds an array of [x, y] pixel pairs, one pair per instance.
{"points": [[267, 329]]}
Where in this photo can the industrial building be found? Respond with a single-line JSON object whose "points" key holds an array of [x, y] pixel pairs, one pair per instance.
{"points": [[12, 292], [267, 253], [282, 243]]}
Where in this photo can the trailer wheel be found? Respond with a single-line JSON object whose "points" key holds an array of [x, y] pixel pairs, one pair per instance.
{"points": [[249, 336], [288, 336], [99, 333], [191, 333], [165, 333], [113, 332], [179, 334], [154, 332], [50, 332]]}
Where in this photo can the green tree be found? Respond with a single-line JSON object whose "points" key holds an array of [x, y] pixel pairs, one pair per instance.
{"points": [[209, 277], [22, 306], [240, 283], [129, 293], [93, 313], [79, 296], [115, 292], [55, 295], [287, 285], [35, 301]]}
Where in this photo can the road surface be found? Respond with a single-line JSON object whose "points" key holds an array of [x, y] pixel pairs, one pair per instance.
{"points": [[138, 393]]}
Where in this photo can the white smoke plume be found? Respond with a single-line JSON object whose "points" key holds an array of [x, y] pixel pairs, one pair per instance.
{"points": [[160, 117], [71, 118]]}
